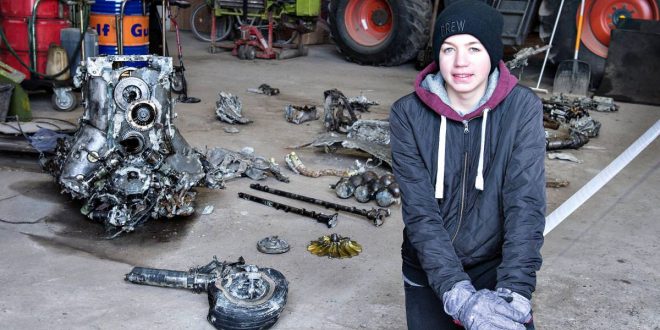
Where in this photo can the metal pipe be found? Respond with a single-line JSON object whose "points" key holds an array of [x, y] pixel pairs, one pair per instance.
{"points": [[163, 22], [33, 31], [375, 215], [83, 30], [547, 52], [328, 220], [119, 27]]}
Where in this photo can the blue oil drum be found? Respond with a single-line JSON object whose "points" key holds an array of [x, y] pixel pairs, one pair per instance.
{"points": [[135, 27], [132, 7]]}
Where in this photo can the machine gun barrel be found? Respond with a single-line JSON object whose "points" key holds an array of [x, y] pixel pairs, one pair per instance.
{"points": [[191, 280]]}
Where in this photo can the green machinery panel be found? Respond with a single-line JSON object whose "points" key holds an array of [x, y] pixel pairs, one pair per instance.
{"points": [[308, 7]]}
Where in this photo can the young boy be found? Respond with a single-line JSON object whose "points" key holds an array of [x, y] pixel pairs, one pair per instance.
{"points": [[468, 148]]}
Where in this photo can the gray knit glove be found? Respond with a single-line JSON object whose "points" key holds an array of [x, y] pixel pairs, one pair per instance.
{"points": [[518, 302], [480, 310]]}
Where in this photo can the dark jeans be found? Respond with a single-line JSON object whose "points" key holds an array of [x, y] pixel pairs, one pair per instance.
{"points": [[424, 310]]}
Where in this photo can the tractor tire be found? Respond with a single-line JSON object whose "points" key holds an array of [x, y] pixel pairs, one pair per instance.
{"points": [[394, 33], [592, 50]]}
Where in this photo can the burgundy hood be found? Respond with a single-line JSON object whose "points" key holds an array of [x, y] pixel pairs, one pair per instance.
{"points": [[505, 84]]}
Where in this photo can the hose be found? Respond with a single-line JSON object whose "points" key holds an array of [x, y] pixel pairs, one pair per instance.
{"points": [[33, 51]]}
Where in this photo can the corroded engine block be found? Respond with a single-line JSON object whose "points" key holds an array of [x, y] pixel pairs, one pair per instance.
{"points": [[127, 161]]}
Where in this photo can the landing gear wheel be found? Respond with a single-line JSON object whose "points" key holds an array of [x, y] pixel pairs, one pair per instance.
{"points": [[201, 20], [64, 101], [379, 32], [247, 298]]}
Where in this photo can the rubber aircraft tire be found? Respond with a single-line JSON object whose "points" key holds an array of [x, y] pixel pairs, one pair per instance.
{"points": [[225, 314], [406, 38]]}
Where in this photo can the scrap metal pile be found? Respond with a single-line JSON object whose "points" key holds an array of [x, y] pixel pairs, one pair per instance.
{"points": [[568, 123]]}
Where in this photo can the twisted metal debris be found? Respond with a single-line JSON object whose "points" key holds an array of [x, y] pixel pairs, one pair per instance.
{"points": [[228, 108], [300, 114], [339, 111], [296, 165], [227, 165], [265, 89]]}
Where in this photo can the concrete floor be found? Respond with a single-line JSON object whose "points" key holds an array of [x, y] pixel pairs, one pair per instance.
{"points": [[600, 265]]}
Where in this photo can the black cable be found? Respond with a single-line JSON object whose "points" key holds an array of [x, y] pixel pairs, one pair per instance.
{"points": [[35, 72]]}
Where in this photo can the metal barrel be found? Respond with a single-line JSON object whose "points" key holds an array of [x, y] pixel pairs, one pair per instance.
{"points": [[121, 29]]}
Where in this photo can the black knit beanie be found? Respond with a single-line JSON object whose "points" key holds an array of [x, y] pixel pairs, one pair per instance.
{"points": [[475, 18]]}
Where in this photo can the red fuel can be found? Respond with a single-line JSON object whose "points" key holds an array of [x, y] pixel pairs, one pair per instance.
{"points": [[47, 30]]}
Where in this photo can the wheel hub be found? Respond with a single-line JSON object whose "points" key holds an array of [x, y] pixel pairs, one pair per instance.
{"points": [[602, 16], [379, 17], [368, 22]]}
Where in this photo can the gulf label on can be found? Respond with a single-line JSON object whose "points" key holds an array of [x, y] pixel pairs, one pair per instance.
{"points": [[136, 29]]}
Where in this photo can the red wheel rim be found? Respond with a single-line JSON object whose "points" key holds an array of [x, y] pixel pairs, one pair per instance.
{"points": [[602, 16], [368, 22]]}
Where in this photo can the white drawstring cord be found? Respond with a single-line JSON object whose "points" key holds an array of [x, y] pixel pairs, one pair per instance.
{"points": [[479, 182], [440, 174]]}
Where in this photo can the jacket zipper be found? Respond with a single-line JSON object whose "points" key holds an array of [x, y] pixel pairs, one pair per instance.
{"points": [[466, 130]]}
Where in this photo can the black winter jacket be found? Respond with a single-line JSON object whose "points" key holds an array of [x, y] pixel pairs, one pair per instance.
{"points": [[469, 226]]}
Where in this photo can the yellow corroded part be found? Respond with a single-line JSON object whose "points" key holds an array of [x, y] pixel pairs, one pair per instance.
{"points": [[334, 246]]}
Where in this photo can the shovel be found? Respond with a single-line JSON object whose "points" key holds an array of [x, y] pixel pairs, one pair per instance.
{"points": [[573, 76]]}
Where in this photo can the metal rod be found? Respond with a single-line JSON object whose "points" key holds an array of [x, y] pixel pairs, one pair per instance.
{"points": [[375, 215], [328, 220], [164, 22], [547, 52], [83, 30]]}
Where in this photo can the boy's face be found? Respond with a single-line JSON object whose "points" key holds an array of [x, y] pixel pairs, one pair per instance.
{"points": [[464, 64]]}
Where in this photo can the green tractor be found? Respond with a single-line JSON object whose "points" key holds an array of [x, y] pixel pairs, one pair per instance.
{"points": [[291, 17], [391, 32]]}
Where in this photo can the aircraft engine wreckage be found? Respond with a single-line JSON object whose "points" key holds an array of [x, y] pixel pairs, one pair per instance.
{"points": [[127, 161], [240, 296]]}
